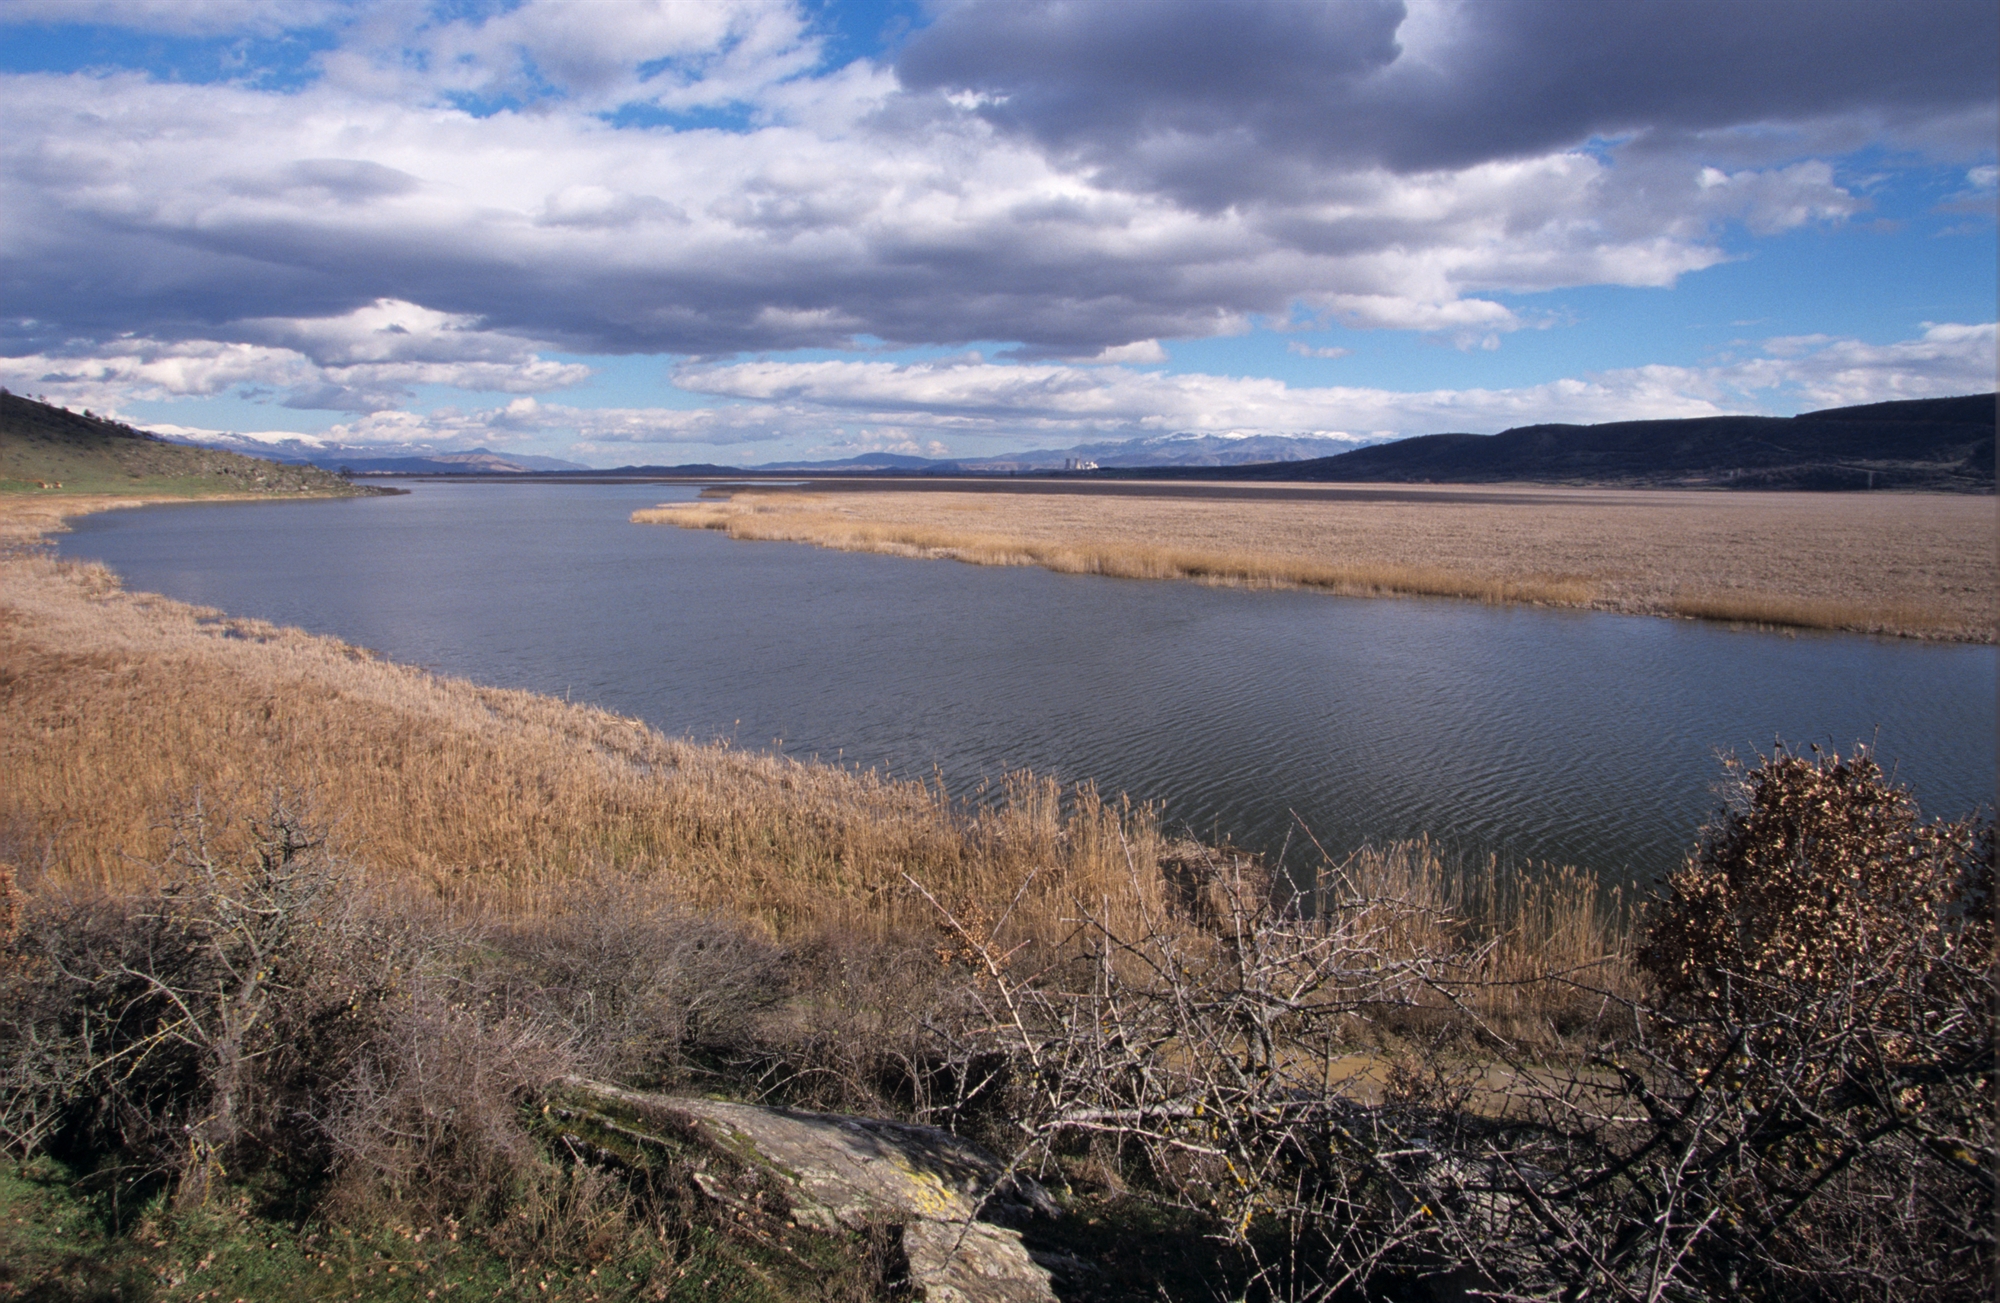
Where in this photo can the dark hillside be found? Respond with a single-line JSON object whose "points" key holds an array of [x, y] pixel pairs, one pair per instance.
{"points": [[1936, 443], [45, 448]]}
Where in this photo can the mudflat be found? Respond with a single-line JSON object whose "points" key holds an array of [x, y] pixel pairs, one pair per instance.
{"points": [[1918, 565]]}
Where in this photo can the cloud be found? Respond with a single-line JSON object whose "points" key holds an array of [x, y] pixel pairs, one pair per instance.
{"points": [[528, 420], [1308, 350], [389, 330], [364, 361], [1076, 178], [596, 57], [970, 406], [1137, 353], [181, 17], [174, 211], [1223, 103], [973, 405], [1041, 402], [454, 192], [1819, 371]]}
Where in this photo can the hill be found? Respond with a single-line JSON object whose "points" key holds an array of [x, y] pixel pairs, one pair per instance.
{"points": [[1933, 443], [43, 448]]}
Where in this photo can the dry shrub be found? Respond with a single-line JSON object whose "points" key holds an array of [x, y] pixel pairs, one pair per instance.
{"points": [[428, 1124], [1824, 873], [1359, 1095], [256, 1019], [873, 1027], [632, 982], [10, 907], [1826, 964], [188, 1025], [573, 1213]]}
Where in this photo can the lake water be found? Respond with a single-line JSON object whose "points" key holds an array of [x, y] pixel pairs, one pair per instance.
{"points": [[1536, 735]]}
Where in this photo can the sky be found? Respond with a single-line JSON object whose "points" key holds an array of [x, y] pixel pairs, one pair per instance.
{"points": [[744, 231]]}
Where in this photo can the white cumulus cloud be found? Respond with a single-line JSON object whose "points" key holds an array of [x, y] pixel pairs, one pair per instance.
{"points": [[970, 405]]}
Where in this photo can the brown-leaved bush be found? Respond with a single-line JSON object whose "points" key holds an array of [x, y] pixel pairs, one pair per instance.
{"points": [[1825, 970]]}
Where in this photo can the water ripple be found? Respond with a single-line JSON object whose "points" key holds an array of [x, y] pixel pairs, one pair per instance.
{"points": [[1535, 735]]}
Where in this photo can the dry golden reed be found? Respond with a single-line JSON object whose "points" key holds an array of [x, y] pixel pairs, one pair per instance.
{"points": [[772, 517], [117, 708], [1905, 564]]}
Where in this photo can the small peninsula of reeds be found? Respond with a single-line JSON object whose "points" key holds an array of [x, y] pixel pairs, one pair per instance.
{"points": [[1909, 565]]}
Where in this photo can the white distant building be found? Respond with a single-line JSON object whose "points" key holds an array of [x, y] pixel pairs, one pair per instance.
{"points": [[1078, 464]]}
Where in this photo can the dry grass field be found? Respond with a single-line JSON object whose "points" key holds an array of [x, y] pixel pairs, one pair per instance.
{"points": [[119, 708], [1913, 565]]}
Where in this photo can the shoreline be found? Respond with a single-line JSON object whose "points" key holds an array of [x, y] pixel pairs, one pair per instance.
{"points": [[122, 706], [500, 801], [26, 519], [1908, 568]]}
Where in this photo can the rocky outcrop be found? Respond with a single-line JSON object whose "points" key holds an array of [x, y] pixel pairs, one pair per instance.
{"points": [[950, 1201]]}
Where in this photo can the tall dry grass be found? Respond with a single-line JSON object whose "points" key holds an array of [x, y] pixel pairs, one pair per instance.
{"points": [[793, 518], [117, 708], [1534, 950], [1913, 565]]}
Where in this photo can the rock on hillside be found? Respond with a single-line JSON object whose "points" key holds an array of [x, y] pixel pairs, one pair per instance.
{"points": [[949, 1201]]}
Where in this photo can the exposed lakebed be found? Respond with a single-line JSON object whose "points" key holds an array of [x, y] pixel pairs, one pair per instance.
{"points": [[1534, 734]]}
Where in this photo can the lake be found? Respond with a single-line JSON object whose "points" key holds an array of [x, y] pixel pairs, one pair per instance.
{"points": [[1535, 735]]}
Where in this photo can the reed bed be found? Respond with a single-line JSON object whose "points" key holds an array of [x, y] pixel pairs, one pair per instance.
{"points": [[1536, 951], [118, 708], [1910, 565], [1116, 560]]}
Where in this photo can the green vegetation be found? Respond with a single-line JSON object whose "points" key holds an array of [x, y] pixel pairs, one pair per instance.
{"points": [[45, 449], [59, 1243]]}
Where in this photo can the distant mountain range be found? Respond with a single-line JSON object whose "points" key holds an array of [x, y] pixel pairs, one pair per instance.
{"points": [[1928, 443], [1125, 454], [1931, 443], [379, 458]]}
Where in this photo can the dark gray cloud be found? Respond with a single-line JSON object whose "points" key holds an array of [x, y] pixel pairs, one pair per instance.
{"points": [[1222, 102], [1161, 169]]}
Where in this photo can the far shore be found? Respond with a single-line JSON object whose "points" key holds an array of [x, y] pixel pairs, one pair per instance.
{"points": [[1906, 565]]}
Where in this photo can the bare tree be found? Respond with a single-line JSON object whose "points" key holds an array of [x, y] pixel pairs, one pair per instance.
{"points": [[1804, 1112]]}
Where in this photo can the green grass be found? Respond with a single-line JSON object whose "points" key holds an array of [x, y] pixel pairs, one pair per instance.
{"points": [[43, 446], [58, 1245]]}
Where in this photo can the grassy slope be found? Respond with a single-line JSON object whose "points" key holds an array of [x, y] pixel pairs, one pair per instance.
{"points": [[43, 445]]}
